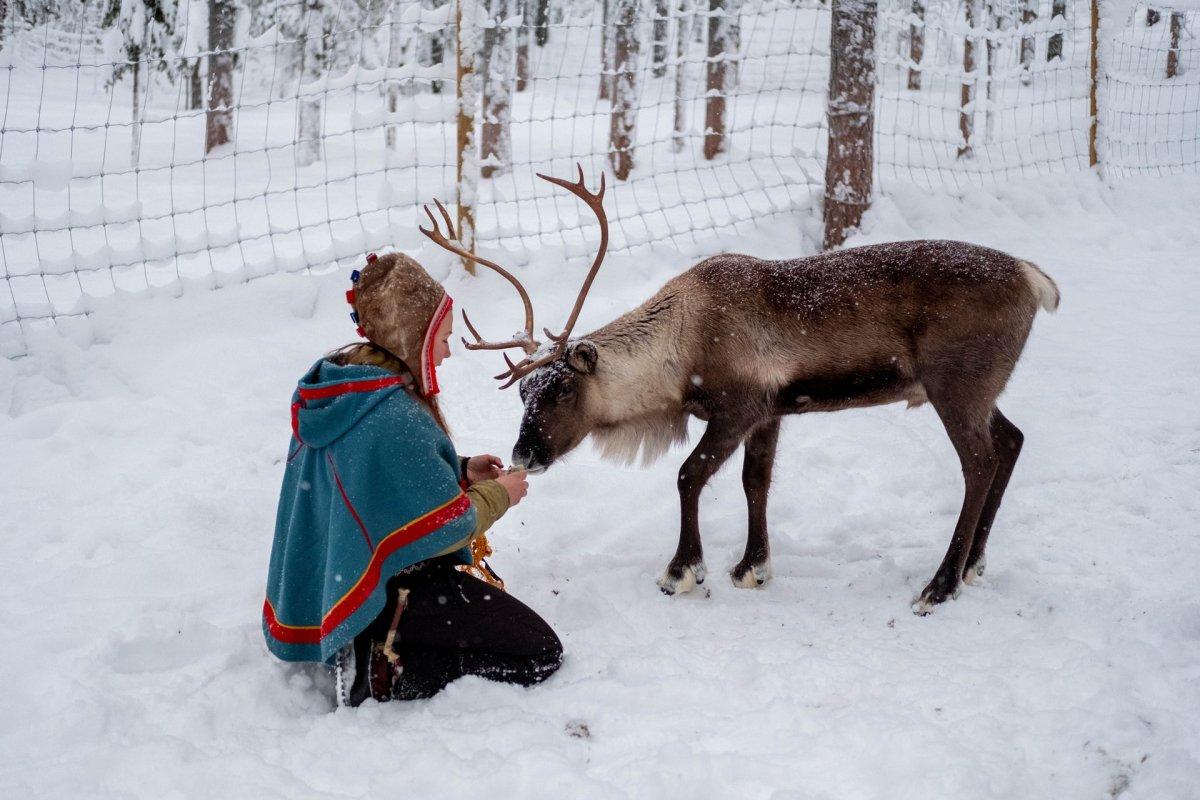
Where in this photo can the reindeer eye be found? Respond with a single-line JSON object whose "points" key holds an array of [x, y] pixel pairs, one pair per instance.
{"points": [[566, 390]]}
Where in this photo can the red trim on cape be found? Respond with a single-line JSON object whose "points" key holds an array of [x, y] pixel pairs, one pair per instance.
{"points": [[338, 389], [346, 499], [296, 420], [369, 580]]}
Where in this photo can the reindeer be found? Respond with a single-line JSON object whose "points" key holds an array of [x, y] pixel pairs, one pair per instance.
{"points": [[741, 342]]}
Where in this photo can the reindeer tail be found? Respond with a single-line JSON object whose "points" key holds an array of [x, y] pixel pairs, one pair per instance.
{"points": [[1043, 286]]}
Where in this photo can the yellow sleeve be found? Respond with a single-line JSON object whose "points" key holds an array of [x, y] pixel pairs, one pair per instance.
{"points": [[491, 501]]}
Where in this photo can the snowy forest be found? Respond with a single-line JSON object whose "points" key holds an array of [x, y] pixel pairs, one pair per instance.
{"points": [[192, 190], [145, 142]]}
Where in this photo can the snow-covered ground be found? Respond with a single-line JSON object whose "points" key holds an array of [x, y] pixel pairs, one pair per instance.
{"points": [[141, 455]]}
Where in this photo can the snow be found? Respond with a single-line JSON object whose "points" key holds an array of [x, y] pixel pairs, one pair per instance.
{"points": [[143, 451]]}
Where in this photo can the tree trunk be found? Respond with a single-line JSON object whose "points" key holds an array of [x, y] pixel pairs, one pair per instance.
{"points": [[524, 34], [681, 33], [218, 124], [662, 35], [916, 45], [467, 94], [397, 56], [966, 114], [1173, 52], [994, 18], [195, 85], [733, 52], [851, 117], [624, 89], [496, 63], [1028, 42], [717, 79], [308, 144], [135, 130], [436, 44], [1058, 10], [606, 51], [542, 21]]}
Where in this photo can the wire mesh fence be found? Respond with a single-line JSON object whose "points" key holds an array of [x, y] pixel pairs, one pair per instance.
{"points": [[1149, 112], [145, 142], [982, 91]]}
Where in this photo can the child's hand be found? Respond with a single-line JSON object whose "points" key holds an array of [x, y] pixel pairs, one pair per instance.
{"points": [[484, 468], [516, 484]]}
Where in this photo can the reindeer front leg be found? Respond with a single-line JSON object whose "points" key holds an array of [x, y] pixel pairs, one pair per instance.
{"points": [[721, 438]]}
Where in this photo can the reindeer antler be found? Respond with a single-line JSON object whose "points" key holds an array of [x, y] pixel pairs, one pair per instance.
{"points": [[526, 342], [596, 203], [516, 371]]}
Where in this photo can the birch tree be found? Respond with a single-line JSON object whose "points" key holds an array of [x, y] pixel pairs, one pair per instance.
{"points": [[607, 33], [1058, 11], [916, 44], [146, 41], [398, 54], [218, 119], [662, 35], [541, 19], [624, 87], [1028, 10], [681, 42], [497, 68], [524, 36], [314, 55]]}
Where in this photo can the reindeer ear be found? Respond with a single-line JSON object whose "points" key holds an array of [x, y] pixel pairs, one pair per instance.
{"points": [[582, 357]]}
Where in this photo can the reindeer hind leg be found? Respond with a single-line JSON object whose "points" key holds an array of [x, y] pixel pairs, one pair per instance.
{"points": [[969, 431], [1007, 440], [755, 567]]}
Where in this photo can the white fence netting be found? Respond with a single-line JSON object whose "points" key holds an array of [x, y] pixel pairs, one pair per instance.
{"points": [[342, 119]]}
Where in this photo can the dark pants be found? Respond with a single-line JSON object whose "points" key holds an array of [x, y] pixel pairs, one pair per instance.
{"points": [[456, 625]]}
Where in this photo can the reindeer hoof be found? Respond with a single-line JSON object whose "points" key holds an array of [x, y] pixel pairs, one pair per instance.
{"points": [[682, 580], [938, 591], [750, 576], [973, 575]]}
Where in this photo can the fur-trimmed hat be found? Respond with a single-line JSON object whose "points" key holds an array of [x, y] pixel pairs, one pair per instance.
{"points": [[399, 307]]}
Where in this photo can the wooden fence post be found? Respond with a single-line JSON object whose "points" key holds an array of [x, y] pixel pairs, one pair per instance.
{"points": [[467, 94], [1093, 77], [850, 109]]}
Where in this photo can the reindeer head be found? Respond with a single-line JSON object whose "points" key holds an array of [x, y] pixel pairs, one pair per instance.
{"points": [[554, 380]]}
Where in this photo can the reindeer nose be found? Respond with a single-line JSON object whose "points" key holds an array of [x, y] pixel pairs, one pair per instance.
{"points": [[521, 457]]}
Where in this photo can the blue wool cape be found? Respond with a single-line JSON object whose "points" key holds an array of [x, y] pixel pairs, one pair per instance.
{"points": [[372, 485]]}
